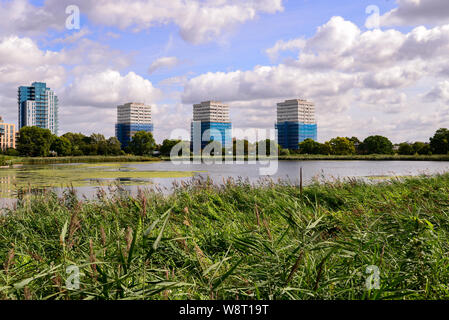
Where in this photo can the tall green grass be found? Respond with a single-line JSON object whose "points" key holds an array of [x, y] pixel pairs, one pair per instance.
{"points": [[235, 241], [130, 158]]}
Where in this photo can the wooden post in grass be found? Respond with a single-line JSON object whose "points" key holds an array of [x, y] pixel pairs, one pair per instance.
{"points": [[300, 181]]}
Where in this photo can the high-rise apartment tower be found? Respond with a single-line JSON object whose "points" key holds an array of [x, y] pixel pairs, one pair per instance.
{"points": [[211, 121], [295, 123], [38, 106], [132, 118]]}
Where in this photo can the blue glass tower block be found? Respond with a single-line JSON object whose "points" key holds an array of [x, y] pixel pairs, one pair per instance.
{"points": [[125, 132], [37, 93], [212, 131], [291, 134]]}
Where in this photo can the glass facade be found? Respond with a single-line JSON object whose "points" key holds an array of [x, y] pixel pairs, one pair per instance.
{"points": [[291, 134], [212, 131], [125, 132], [38, 106]]}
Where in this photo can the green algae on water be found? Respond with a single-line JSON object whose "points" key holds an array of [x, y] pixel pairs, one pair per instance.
{"points": [[79, 175]]}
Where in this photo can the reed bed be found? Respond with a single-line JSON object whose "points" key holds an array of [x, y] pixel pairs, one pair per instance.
{"points": [[233, 241]]}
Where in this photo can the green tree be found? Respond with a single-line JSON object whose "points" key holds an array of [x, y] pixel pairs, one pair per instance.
{"points": [[62, 146], [79, 143], [167, 146], [98, 144], [214, 147], [12, 152], [342, 146], [357, 143], [421, 148], [326, 148], [239, 143], [377, 145], [113, 146], [405, 149], [34, 142], [142, 143], [270, 148], [439, 143], [310, 146]]}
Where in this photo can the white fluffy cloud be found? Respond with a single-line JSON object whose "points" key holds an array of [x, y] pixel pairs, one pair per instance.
{"points": [[90, 101], [281, 45], [439, 93], [109, 88], [362, 81], [414, 12], [337, 59], [198, 20], [19, 16], [85, 78], [22, 60], [164, 62], [339, 67]]}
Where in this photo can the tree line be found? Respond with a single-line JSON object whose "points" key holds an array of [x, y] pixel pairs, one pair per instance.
{"points": [[439, 144], [37, 142]]}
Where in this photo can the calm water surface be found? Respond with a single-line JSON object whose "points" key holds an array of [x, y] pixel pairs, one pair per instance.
{"points": [[286, 170]]}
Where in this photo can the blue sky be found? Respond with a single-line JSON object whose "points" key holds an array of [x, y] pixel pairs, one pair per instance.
{"points": [[243, 48], [363, 80]]}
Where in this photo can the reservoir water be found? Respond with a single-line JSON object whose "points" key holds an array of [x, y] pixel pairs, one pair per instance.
{"points": [[88, 178]]}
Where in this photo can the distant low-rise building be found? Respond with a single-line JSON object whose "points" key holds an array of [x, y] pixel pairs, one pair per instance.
{"points": [[295, 123], [211, 122], [131, 118], [7, 135]]}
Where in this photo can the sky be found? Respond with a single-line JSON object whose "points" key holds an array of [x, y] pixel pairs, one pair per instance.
{"points": [[371, 67]]}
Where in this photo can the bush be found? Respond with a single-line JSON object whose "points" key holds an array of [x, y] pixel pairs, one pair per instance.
{"points": [[377, 145], [12, 152]]}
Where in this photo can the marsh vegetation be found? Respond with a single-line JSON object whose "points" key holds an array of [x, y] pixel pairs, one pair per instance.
{"points": [[233, 241]]}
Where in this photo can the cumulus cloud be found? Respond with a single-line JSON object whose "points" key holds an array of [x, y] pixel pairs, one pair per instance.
{"points": [[72, 38], [439, 93], [23, 61], [337, 59], [198, 20], [20, 16], [389, 101], [345, 70], [109, 88], [104, 90], [342, 69], [85, 78], [281, 45], [163, 63], [415, 12]]}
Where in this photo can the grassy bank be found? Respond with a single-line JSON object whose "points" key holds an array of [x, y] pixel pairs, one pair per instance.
{"points": [[5, 160], [233, 241], [374, 157]]}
